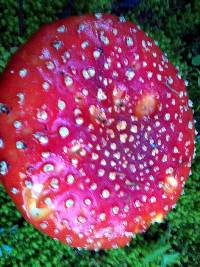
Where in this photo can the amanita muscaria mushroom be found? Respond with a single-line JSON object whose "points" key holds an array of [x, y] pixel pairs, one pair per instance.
{"points": [[97, 132]]}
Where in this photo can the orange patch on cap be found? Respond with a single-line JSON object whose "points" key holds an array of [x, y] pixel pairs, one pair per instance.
{"points": [[97, 114], [120, 97], [170, 184], [158, 218], [146, 106], [35, 211]]}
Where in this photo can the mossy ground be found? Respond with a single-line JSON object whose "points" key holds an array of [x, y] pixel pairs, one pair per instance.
{"points": [[176, 242]]}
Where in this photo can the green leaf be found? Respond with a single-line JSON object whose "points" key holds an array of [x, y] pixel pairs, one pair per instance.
{"points": [[13, 49], [155, 254], [169, 259], [2, 63], [196, 60]]}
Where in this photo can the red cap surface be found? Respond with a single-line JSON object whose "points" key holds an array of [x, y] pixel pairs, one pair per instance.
{"points": [[97, 132]]}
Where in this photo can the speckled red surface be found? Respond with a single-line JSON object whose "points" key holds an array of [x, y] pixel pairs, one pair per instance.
{"points": [[97, 133]]}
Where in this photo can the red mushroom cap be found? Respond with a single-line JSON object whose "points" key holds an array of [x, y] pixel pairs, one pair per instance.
{"points": [[97, 132]]}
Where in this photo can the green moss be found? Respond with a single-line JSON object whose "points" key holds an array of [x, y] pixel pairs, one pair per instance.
{"points": [[176, 242]]}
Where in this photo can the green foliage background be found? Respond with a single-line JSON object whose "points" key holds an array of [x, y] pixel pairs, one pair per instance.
{"points": [[176, 242]]}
